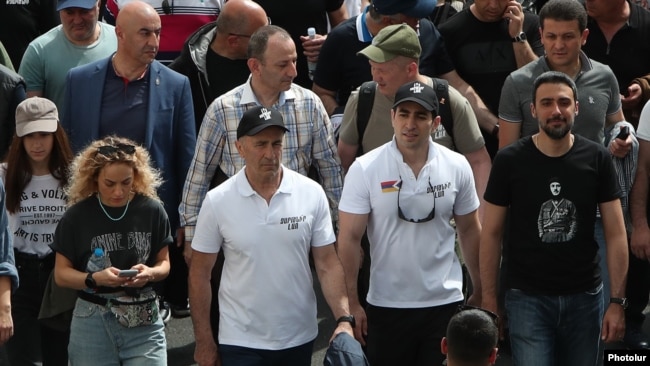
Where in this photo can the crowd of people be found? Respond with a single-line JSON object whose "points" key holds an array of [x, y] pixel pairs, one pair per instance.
{"points": [[203, 158]]}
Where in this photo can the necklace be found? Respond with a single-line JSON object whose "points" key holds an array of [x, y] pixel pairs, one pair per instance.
{"points": [[109, 216]]}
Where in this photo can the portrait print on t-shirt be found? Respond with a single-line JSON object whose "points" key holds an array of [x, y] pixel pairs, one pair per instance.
{"points": [[557, 220]]}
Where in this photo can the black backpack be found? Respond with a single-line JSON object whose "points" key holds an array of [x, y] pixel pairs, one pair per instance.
{"points": [[367, 99]]}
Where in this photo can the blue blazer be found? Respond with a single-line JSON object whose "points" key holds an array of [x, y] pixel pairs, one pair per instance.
{"points": [[170, 134]]}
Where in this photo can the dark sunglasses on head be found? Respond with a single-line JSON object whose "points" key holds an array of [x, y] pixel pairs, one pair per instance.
{"points": [[108, 150], [492, 315]]}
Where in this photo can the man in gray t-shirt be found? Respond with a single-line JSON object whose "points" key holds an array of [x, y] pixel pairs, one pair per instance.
{"points": [[563, 26]]}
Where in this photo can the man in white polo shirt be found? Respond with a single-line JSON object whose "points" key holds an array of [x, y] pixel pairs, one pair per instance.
{"points": [[266, 219], [406, 192]]}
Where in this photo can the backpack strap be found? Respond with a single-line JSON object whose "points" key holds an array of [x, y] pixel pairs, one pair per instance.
{"points": [[441, 86], [364, 109], [442, 13], [367, 99]]}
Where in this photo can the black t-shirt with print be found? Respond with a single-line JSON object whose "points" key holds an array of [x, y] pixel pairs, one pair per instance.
{"points": [[550, 245], [136, 238]]}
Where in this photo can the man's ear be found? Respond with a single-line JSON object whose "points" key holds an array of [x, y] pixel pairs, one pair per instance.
{"points": [[443, 346], [436, 122], [493, 356], [253, 64], [232, 40], [532, 110], [240, 148]]}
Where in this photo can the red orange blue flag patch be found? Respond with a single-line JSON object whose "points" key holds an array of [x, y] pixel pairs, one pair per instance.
{"points": [[391, 186]]}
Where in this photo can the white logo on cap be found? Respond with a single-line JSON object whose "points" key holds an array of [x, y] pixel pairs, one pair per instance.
{"points": [[416, 88], [265, 115]]}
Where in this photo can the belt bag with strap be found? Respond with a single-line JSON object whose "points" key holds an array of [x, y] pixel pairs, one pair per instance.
{"points": [[130, 311]]}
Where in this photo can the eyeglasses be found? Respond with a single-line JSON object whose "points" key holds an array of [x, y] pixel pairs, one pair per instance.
{"points": [[108, 150], [247, 35], [493, 316], [431, 215]]}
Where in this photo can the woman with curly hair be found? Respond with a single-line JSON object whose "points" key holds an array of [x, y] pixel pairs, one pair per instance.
{"points": [[114, 206], [34, 174]]}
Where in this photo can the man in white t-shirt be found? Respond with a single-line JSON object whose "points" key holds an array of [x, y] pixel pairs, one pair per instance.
{"points": [[406, 192], [266, 219]]}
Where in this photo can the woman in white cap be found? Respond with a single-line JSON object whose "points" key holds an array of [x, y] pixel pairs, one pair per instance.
{"points": [[35, 173]]}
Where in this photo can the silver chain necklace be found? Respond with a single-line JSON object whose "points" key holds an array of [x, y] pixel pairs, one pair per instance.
{"points": [[109, 216]]}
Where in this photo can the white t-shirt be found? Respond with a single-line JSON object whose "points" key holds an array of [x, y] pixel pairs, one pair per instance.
{"points": [[266, 297], [414, 265], [643, 130], [41, 207]]}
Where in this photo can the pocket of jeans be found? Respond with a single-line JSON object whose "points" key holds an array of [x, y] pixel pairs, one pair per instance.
{"points": [[595, 291], [84, 309]]}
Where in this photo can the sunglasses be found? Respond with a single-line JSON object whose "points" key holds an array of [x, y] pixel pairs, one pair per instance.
{"points": [[431, 215], [493, 316], [109, 150]]}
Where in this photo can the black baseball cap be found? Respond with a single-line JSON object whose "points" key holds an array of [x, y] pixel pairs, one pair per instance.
{"points": [[258, 118], [419, 93]]}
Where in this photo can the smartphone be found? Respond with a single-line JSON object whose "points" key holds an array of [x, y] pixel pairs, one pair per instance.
{"points": [[624, 133], [128, 272]]}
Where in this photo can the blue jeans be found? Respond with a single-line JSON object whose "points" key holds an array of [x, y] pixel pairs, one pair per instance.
{"points": [[554, 330], [96, 338], [244, 356]]}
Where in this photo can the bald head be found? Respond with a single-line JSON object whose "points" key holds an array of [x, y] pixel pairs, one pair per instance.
{"points": [[138, 32], [245, 8], [241, 17], [238, 20], [133, 10]]}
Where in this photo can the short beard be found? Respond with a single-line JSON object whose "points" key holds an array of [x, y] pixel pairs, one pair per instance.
{"points": [[557, 133]]}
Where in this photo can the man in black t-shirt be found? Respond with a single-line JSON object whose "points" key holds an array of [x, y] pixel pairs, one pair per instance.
{"points": [[487, 42], [214, 57], [554, 297], [619, 37]]}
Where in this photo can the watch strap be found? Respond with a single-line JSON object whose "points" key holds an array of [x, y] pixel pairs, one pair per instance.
{"points": [[619, 300], [90, 281], [520, 38], [347, 318]]}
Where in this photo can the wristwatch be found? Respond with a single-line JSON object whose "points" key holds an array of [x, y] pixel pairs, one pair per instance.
{"points": [[619, 300], [90, 281], [347, 318], [521, 37]]}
